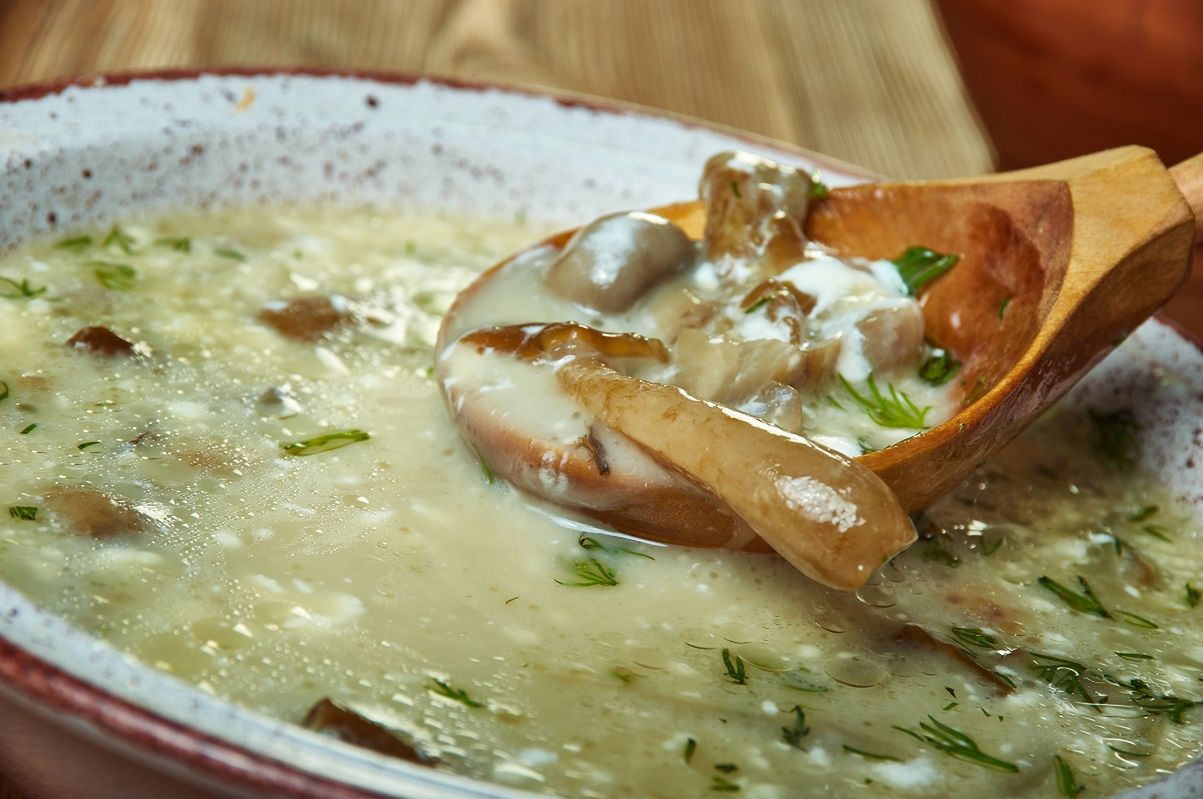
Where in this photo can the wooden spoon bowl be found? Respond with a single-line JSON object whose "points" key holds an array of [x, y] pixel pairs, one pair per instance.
{"points": [[1058, 264]]}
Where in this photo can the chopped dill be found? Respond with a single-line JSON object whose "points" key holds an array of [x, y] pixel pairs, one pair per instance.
{"points": [[1134, 656], [1168, 705], [1085, 602], [726, 768], [1113, 436], [229, 254], [29, 429], [179, 244], [990, 547], [735, 190], [23, 290], [86, 445], [1064, 675], [25, 513], [1192, 596], [723, 785], [324, 442], [117, 277], [591, 572], [950, 706], [896, 410], [934, 550], [939, 368], [443, 688], [1143, 513], [756, 306], [1135, 620], [1002, 307], [918, 266], [691, 746], [794, 734], [1067, 785], [75, 244], [974, 636], [119, 238], [1157, 531], [737, 672], [956, 744], [818, 188], [871, 755]]}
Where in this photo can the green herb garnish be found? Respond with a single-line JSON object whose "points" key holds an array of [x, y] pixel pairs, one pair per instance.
{"points": [[1064, 675], [1135, 620], [26, 513], [29, 429], [120, 238], [723, 785], [974, 636], [818, 188], [118, 277], [896, 410], [726, 768], [1192, 596], [591, 572], [1067, 786], [691, 746], [735, 190], [1134, 656], [181, 244], [1168, 705], [624, 674], [939, 369], [442, 688], [1143, 513], [1114, 436], [19, 291], [736, 670], [871, 755], [1085, 602], [1002, 307], [756, 306], [74, 244], [918, 266], [794, 734], [956, 744], [225, 252], [934, 550], [85, 445], [324, 442], [1157, 531]]}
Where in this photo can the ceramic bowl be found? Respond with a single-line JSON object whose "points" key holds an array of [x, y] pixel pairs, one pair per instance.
{"points": [[79, 718]]}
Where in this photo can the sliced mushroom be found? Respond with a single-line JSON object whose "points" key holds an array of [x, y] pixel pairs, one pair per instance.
{"points": [[101, 341], [340, 722], [893, 337], [611, 262], [307, 319], [85, 511], [731, 372], [752, 204]]}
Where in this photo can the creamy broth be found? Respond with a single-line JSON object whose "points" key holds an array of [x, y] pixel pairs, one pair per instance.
{"points": [[396, 576]]}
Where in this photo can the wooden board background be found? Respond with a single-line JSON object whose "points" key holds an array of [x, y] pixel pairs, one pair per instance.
{"points": [[869, 81]]}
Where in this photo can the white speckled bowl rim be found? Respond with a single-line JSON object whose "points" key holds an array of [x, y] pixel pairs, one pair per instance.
{"points": [[78, 154]]}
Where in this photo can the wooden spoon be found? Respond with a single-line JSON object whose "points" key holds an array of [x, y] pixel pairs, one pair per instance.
{"points": [[1058, 265]]}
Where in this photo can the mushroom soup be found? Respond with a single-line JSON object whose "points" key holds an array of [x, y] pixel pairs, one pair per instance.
{"points": [[226, 454]]}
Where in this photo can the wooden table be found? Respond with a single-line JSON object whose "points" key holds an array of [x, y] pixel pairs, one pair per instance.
{"points": [[869, 81]]}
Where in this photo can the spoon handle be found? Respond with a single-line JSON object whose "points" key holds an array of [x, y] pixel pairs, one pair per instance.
{"points": [[1189, 177]]}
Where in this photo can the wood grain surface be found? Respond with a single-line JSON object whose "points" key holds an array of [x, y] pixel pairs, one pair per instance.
{"points": [[868, 81]]}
